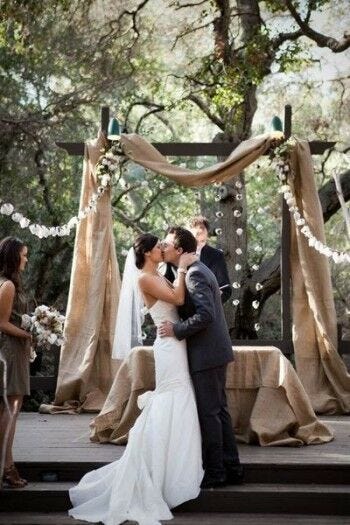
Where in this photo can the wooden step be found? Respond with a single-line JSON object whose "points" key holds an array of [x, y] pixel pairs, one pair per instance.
{"points": [[251, 497], [62, 518], [254, 472]]}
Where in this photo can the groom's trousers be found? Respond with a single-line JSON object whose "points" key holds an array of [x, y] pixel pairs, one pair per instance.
{"points": [[219, 446]]}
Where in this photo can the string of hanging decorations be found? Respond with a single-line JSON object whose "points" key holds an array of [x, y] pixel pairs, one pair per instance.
{"points": [[281, 160], [106, 168]]}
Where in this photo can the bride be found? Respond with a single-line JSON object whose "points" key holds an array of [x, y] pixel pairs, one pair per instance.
{"points": [[162, 464]]}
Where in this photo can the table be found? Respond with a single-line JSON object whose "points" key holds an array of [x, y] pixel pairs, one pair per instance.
{"points": [[266, 400]]}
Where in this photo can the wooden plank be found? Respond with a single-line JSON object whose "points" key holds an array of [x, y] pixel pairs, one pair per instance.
{"points": [[287, 121], [193, 518], [104, 119], [192, 149], [44, 438], [265, 498]]}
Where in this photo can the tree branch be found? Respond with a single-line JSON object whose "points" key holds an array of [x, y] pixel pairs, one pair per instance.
{"points": [[188, 31], [179, 6], [284, 37], [337, 46], [203, 106]]}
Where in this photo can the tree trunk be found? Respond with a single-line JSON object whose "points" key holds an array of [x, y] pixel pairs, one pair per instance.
{"points": [[269, 273]]}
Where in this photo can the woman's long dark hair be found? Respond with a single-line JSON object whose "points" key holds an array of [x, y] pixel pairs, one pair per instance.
{"points": [[10, 260], [143, 244]]}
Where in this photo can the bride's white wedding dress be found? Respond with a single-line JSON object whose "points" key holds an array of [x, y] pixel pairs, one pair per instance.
{"points": [[162, 464]]}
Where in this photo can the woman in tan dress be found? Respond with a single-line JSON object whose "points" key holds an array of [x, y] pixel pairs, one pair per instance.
{"points": [[14, 351]]}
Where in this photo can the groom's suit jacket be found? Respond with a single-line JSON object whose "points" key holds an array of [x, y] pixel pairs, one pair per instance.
{"points": [[203, 323]]}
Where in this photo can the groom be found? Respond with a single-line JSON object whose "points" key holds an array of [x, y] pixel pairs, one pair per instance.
{"points": [[209, 351]]}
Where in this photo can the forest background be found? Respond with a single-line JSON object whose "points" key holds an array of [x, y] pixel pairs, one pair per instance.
{"points": [[206, 70]]}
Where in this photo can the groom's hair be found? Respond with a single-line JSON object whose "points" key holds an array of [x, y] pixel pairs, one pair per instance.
{"points": [[183, 239]]}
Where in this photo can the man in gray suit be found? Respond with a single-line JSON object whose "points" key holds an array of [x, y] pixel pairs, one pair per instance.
{"points": [[209, 349]]}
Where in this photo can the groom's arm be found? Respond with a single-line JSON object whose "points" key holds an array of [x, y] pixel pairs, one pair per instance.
{"points": [[202, 297]]}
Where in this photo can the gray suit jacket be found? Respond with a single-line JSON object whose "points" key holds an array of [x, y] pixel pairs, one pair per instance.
{"points": [[203, 323]]}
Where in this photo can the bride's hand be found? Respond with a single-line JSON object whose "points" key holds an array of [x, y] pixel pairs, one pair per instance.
{"points": [[187, 259]]}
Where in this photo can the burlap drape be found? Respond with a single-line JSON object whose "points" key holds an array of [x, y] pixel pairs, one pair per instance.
{"points": [[86, 369], [142, 152], [319, 366]]}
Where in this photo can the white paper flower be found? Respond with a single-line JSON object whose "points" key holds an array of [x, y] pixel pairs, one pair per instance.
{"points": [[235, 302], [238, 184], [17, 217], [237, 213], [239, 231], [236, 285], [255, 267], [218, 231], [105, 180], [239, 197], [72, 222], [6, 209], [238, 251], [238, 267], [257, 327], [24, 222], [255, 304], [259, 286], [219, 214]]}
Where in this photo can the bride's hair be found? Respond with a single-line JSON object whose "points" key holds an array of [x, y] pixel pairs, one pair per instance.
{"points": [[143, 244]]}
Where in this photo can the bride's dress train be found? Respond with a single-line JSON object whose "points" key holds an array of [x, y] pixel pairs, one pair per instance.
{"points": [[162, 464]]}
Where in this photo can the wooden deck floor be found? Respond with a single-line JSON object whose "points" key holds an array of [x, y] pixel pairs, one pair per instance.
{"points": [[61, 437], [184, 519]]}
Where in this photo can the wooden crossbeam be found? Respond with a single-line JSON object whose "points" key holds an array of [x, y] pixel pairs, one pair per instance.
{"points": [[193, 149]]}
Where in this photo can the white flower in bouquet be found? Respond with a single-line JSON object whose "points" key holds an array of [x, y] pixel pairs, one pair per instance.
{"points": [[26, 322], [46, 325], [52, 338]]}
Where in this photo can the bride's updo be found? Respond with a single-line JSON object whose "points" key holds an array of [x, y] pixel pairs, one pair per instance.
{"points": [[143, 244]]}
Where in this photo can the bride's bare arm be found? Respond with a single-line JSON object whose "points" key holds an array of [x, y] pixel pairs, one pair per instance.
{"points": [[157, 287]]}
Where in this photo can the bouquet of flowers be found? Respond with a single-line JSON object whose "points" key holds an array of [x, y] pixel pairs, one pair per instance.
{"points": [[46, 326]]}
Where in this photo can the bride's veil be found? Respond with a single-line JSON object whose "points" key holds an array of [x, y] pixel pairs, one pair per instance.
{"points": [[130, 317]]}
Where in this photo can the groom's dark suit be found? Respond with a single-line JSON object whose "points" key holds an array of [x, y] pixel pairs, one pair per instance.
{"points": [[209, 349]]}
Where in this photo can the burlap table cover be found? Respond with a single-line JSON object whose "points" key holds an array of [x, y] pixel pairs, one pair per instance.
{"points": [[267, 402]]}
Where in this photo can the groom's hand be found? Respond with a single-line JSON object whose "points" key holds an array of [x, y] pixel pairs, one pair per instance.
{"points": [[166, 329]]}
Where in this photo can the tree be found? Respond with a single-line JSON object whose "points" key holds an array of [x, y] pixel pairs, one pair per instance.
{"points": [[201, 65], [223, 84]]}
